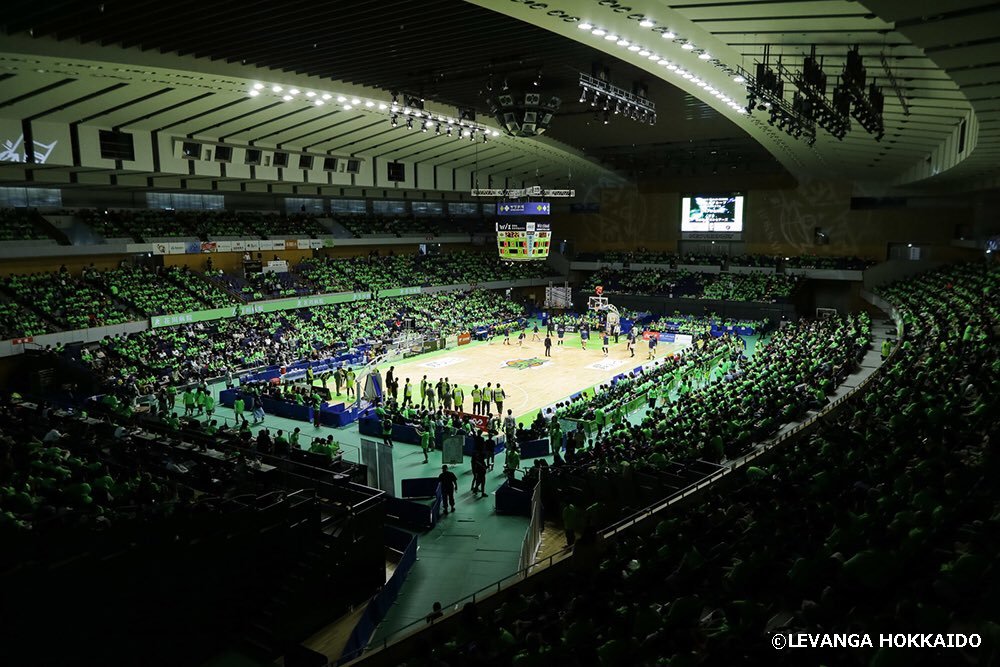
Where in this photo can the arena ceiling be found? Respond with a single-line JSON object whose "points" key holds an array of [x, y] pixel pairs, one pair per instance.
{"points": [[944, 62]]}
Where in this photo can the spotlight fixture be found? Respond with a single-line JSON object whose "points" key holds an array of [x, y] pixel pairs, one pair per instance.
{"points": [[258, 86], [647, 22], [584, 26], [634, 105], [409, 123], [254, 92], [423, 126], [668, 35], [394, 120]]}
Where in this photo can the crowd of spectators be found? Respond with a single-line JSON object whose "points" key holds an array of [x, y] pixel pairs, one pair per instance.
{"points": [[69, 302], [896, 531], [407, 225], [17, 224], [843, 263], [17, 321], [377, 271], [161, 291], [147, 224], [757, 287], [697, 325], [135, 364]]}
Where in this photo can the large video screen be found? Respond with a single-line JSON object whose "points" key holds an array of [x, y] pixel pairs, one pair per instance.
{"points": [[712, 216]]}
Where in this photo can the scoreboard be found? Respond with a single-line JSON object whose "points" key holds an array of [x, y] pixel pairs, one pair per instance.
{"points": [[523, 241]]}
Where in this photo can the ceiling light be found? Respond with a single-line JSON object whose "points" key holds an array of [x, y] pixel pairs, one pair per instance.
{"points": [[703, 85], [653, 56], [695, 79], [254, 93], [612, 37], [688, 46], [276, 88], [688, 76], [355, 101], [309, 94], [705, 56], [382, 106], [668, 35], [671, 66], [584, 26], [294, 91], [634, 47], [430, 123], [369, 104], [647, 23], [623, 42], [710, 90], [319, 103], [467, 134], [644, 53], [738, 79], [327, 96], [665, 62], [598, 32], [287, 98], [258, 86], [347, 107], [341, 99]]}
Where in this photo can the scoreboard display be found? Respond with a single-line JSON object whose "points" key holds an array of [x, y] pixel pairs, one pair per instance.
{"points": [[523, 241]]}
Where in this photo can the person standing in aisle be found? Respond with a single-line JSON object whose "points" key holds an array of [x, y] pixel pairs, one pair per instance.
{"points": [[446, 395], [407, 393], [391, 383], [424, 391], [238, 407], [349, 378], [477, 397], [510, 427], [449, 484], [498, 396]]}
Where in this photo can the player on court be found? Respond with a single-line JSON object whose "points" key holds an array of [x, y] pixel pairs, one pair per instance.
{"points": [[604, 349], [534, 334], [630, 346], [584, 335], [560, 332], [652, 348], [506, 336], [520, 339]]}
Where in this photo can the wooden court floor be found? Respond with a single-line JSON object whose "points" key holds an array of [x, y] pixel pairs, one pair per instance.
{"points": [[530, 379]]}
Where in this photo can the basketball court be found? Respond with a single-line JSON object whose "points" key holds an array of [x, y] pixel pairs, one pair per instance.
{"points": [[530, 379]]}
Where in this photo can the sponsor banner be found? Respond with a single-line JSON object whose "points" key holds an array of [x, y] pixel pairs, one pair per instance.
{"points": [[399, 291], [464, 338], [665, 337], [209, 246], [480, 421], [192, 247], [159, 248], [176, 248], [646, 335], [188, 318], [251, 245], [607, 364], [711, 236], [525, 364], [523, 208], [442, 362], [237, 246], [278, 244], [21, 341], [325, 243], [451, 341], [266, 244], [291, 244]]}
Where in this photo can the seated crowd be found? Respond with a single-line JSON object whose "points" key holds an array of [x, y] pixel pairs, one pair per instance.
{"points": [[378, 271], [69, 302], [146, 224], [890, 526], [17, 224], [135, 364], [758, 287], [406, 225], [843, 263]]}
